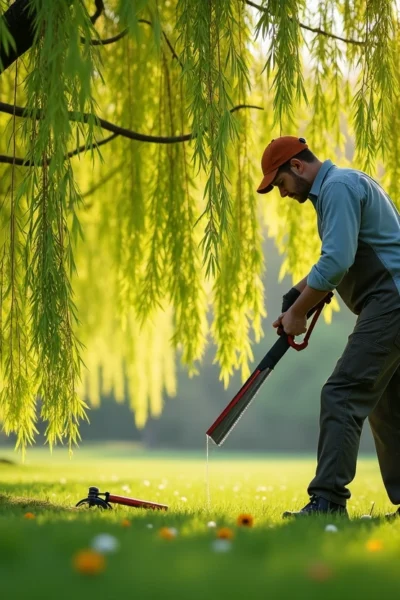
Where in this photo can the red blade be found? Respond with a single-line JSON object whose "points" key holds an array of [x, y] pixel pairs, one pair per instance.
{"points": [[135, 502], [220, 429]]}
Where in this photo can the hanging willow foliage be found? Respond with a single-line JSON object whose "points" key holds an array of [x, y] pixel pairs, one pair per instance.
{"points": [[131, 233]]}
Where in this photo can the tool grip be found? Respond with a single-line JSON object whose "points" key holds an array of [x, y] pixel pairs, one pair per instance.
{"points": [[286, 341], [316, 310]]}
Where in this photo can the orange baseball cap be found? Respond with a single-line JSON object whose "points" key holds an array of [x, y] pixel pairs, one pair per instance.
{"points": [[275, 155]]}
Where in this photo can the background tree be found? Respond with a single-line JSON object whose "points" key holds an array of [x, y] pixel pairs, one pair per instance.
{"points": [[127, 257]]}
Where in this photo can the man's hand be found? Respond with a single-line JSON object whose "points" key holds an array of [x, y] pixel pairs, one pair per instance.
{"points": [[292, 323]]}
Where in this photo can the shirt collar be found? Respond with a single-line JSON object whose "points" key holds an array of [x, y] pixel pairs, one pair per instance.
{"points": [[316, 186]]}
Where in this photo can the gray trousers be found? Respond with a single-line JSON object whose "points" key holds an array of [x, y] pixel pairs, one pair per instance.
{"points": [[365, 383]]}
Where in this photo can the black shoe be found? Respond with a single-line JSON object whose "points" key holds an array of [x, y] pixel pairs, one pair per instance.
{"points": [[318, 506], [393, 516]]}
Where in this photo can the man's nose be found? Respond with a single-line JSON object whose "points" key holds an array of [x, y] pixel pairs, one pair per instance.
{"points": [[283, 192]]}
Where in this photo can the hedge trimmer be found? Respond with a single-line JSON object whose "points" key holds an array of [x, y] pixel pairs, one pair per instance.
{"points": [[229, 417]]}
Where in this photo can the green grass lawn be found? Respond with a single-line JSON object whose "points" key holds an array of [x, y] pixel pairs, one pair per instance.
{"points": [[274, 559]]}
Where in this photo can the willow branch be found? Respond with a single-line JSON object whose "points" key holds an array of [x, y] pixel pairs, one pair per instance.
{"points": [[313, 29], [99, 10], [22, 162], [19, 21], [20, 111]]}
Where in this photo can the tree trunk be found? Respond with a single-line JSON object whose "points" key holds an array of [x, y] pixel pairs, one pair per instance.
{"points": [[19, 21]]}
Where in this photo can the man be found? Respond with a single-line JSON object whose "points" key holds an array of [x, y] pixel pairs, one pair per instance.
{"points": [[359, 227]]}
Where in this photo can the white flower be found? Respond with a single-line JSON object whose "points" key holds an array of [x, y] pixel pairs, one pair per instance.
{"points": [[221, 545], [331, 528], [105, 543]]}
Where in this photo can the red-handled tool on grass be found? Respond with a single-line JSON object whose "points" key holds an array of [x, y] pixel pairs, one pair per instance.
{"points": [[222, 426], [93, 499]]}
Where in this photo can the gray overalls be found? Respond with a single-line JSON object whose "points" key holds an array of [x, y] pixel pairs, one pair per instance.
{"points": [[360, 231]]}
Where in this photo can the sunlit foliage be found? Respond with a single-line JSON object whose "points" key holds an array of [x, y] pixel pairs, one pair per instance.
{"points": [[117, 261]]}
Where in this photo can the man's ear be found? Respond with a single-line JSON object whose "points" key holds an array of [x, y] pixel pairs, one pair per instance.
{"points": [[297, 166]]}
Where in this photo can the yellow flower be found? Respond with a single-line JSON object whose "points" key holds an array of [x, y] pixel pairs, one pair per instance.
{"points": [[245, 520], [29, 515], [89, 562], [225, 533], [374, 545], [125, 523], [166, 533]]}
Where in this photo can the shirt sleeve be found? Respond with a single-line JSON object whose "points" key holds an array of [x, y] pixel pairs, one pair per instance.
{"points": [[341, 219]]}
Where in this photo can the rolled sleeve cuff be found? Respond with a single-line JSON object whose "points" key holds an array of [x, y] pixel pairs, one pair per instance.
{"points": [[318, 282]]}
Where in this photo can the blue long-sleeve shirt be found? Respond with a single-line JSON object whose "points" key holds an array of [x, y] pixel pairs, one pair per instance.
{"points": [[360, 231]]}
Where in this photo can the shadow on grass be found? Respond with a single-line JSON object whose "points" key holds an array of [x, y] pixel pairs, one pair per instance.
{"points": [[9, 502]]}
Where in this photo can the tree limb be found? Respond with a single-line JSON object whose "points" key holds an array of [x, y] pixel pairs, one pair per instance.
{"points": [[82, 148], [20, 111], [313, 29], [18, 19], [12, 160], [106, 41], [22, 162], [125, 32], [99, 10]]}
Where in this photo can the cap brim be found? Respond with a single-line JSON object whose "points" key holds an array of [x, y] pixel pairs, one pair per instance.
{"points": [[265, 186]]}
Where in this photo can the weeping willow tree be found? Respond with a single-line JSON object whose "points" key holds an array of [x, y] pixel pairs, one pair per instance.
{"points": [[132, 132]]}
